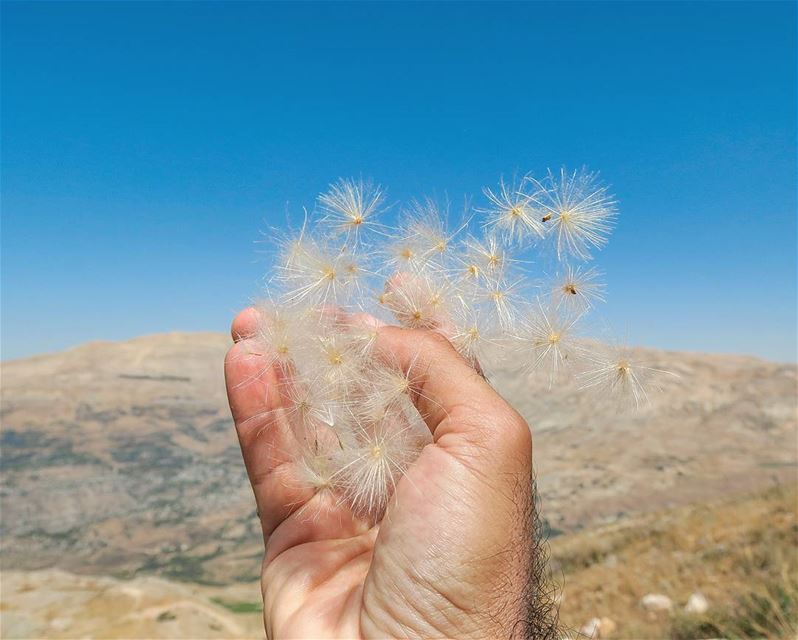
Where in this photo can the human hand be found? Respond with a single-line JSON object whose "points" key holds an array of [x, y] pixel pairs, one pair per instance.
{"points": [[456, 553]]}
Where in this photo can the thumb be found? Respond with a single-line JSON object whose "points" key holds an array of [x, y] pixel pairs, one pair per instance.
{"points": [[456, 402], [454, 547]]}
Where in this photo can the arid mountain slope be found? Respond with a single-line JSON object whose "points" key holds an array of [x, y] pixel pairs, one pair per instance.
{"points": [[120, 458], [738, 553], [54, 604]]}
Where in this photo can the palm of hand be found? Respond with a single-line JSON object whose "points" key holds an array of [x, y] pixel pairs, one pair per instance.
{"points": [[447, 557]]}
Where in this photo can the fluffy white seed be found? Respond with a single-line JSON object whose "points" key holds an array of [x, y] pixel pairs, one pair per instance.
{"points": [[350, 206], [548, 336], [577, 288], [578, 210], [368, 473], [418, 301], [617, 375], [513, 212], [351, 413]]}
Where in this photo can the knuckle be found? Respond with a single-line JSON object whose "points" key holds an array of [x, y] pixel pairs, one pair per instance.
{"points": [[514, 433]]}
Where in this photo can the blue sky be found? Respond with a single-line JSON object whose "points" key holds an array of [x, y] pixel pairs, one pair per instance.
{"points": [[145, 145]]}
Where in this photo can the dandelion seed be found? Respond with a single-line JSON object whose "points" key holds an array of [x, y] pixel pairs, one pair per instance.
{"points": [[503, 297], [427, 235], [353, 274], [615, 373], [338, 359], [513, 212], [579, 211], [475, 334], [403, 254], [277, 336], [578, 289], [418, 301], [362, 330], [486, 256], [385, 391], [368, 474], [314, 275], [550, 338], [351, 206], [317, 472], [312, 406]]}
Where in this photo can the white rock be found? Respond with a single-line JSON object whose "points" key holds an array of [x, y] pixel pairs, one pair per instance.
{"points": [[596, 628], [656, 602], [591, 628], [696, 603]]}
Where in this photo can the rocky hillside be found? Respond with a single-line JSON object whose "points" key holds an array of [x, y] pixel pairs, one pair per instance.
{"points": [[55, 604], [723, 569], [120, 458]]}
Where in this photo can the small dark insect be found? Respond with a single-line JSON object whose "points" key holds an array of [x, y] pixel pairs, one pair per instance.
{"points": [[569, 288], [546, 218]]}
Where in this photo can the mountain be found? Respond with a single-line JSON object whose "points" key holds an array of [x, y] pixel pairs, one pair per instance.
{"points": [[120, 459]]}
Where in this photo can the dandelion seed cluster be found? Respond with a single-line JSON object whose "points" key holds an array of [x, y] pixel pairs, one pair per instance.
{"points": [[513, 277]]}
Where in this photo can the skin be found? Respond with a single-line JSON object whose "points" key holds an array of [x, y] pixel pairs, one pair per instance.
{"points": [[454, 555]]}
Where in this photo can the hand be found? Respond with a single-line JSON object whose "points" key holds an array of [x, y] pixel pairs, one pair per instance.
{"points": [[455, 555]]}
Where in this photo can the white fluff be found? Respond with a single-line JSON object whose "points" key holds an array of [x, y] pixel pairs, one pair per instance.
{"points": [[350, 409]]}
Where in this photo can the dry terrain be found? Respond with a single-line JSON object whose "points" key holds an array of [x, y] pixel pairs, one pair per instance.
{"points": [[54, 604], [120, 463], [739, 554]]}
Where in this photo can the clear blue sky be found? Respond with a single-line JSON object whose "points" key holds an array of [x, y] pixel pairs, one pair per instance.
{"points": [[145, 145]]}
